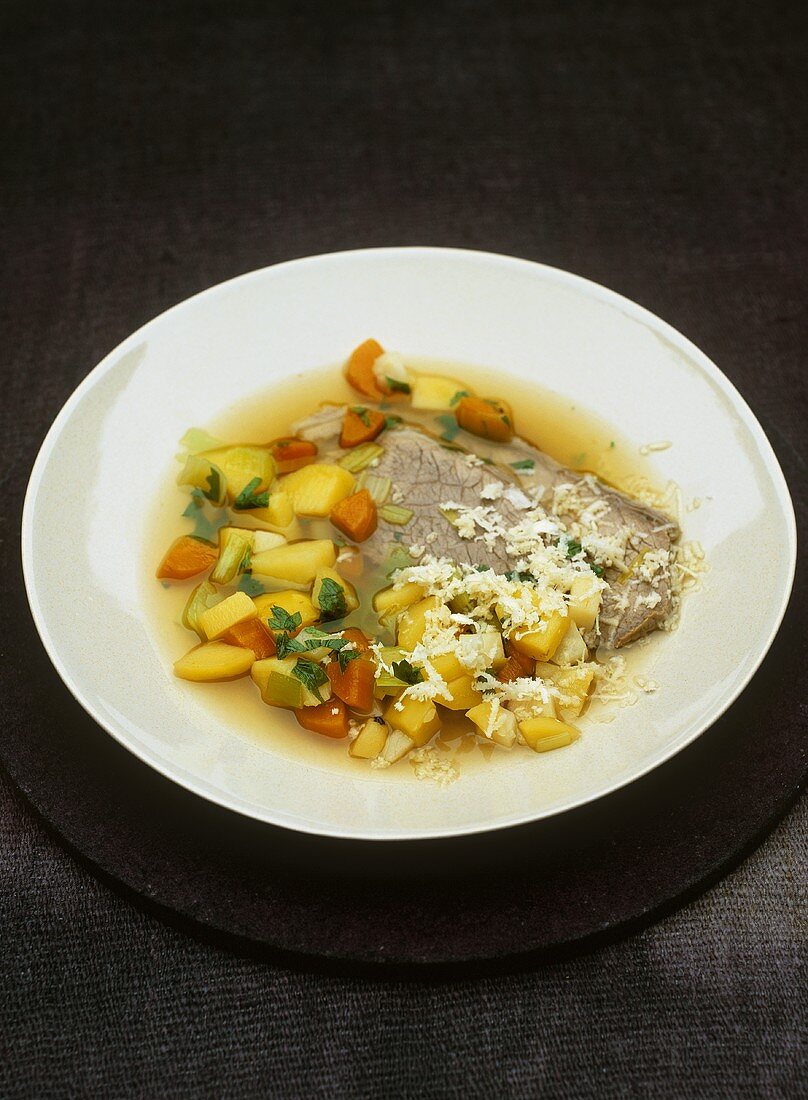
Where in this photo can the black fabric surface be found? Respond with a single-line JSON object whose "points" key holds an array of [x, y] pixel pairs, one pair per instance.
{"points": [[151, 151]]}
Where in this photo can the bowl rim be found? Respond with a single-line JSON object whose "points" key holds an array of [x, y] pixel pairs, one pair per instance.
{"points": [[558, 276]]}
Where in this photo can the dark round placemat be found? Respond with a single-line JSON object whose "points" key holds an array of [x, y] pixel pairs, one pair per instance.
{"points": [[546, 889]]}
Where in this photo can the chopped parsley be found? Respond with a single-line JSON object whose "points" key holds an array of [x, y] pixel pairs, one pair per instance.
{"points": [[345, 656], [391, 421], [214, 489], [410, 674], [285, 644], [249, 585], [573, 549], [249, 498], [517, 575], [204, 527], [331, 599], [395, 386], [449, 425], [526, 464], [362, 413], [596, 569], [282, 620], [459, 397], [311, 675]]}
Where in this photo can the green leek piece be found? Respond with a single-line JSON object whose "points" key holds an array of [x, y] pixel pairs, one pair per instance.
{"points": [[378, 487], [283, 691], [235, 548], [204, 475], [203, 596], [197, 440]]}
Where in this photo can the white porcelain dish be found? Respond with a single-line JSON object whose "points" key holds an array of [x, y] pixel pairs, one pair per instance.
{"points": [[106, 457]]}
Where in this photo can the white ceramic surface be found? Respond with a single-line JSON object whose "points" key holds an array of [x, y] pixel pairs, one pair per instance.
{"points": [[106, 457]]}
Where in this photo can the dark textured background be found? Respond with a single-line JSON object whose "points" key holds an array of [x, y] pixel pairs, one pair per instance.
{"points": [[152, 150]]}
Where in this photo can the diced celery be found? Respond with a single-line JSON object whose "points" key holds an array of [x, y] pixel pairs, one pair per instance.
{"points": [[392, 513], [283, 691], [361, 457], [203, 596], [235, 548], [378, 487]]}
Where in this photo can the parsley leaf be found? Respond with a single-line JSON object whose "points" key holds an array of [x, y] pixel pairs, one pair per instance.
{"points": [[596, 569], [410, 674], [362, 413], [214, 489], [249, 585], [285, 644], [395, 386], [345, 656], [516, 575], [449, 425], [331, 599], [391, 421], [311, 676], [524, 464], [282, 620], [249, 498], [573, 548], [204, 527], [459, 396]]}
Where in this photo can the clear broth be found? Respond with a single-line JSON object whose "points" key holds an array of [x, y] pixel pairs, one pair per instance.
{"points": [[574, 436]]}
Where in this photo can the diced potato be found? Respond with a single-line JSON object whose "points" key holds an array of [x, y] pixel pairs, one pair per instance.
{"points": [[544, 734], [572, 648], [389, 601], [461, 694], [267, 540], [573, 683], [214, 661], [542, 644], [390, 367], [397, 745], [328, 600], [279, 512], [503, 729], [280, 688], [219, 618], [298, 562], [315, 489], [434, 391], [241, 465], [448, 667], [585, 597], [291, 601], [418, 719], [371, 739], [412, 624], [487, 642]]}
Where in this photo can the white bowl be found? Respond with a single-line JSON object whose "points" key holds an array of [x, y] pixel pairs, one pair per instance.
{"points": [[107, 456]]}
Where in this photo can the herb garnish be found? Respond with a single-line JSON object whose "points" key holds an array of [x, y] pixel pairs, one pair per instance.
{"points": [[285, 644], [459, 396], [573, 548], [403, 670], [249, 498], [250, 585], [395, 386], [362, 413], [204, 528], [345, 656], [449, 425], [596, 569], [517, 575], [282, 620], [311, 675], [331, 599], [214, 489], [391, 421], [524, 464]]}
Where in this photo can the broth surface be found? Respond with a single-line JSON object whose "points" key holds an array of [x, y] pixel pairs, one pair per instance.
{"points": [[569, 433]]}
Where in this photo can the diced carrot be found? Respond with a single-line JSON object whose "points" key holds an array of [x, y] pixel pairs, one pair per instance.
{"points": [[291, 453], [253, 635], [517, 666], [361, 426], [486, 417], [330, 719], [359, 369], [356, 516], [186, 557], [355, 685], [359, 639]]}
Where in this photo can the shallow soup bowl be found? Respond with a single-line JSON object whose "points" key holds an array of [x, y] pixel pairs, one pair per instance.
{"points": [[108, 457]]}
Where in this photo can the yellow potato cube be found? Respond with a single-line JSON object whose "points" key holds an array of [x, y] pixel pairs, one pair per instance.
{"points": [[315, 489], [412, 624], [544, 734], [298, 562], [279, 512], [585, 596], [218, 619], [389, 601], [572, 648], [434, 391], [574, 684], [418, 719], [396, 746], [291, 601], [448, 667], [503, 729], [461, 694], [542, 644], [371, 739], [214, 661]]}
